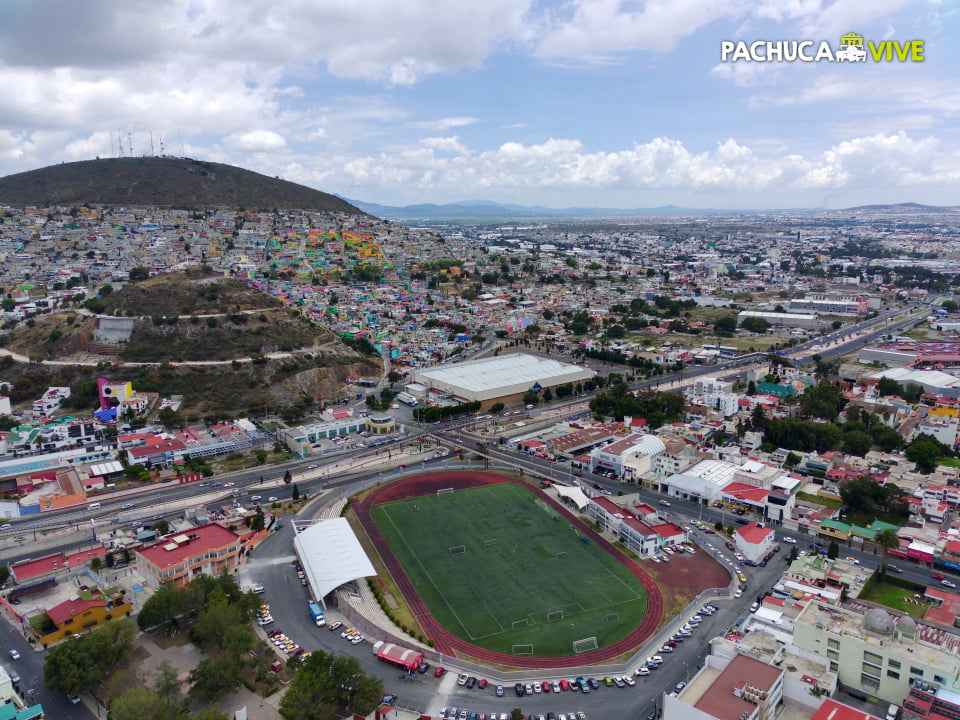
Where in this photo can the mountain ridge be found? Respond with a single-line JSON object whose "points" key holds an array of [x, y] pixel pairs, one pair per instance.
{"points": [[162, 182]]}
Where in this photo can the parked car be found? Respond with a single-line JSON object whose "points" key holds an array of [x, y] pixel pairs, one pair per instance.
{"points": [[938, 576], [894, 569], [482, 683], [471, 683]]}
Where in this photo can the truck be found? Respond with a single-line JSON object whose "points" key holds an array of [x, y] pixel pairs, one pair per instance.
{"points": [[317, 613], [409, 660], [407, 399]]}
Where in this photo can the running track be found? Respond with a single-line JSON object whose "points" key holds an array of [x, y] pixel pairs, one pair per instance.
{"points": [[449, 644]]}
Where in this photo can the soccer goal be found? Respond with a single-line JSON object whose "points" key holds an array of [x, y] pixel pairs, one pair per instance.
{"points": [[488, 543], [522, 650], [585, 645], [456, 550], [444, 491], [554, 615], [612, 617], [520, 624]]}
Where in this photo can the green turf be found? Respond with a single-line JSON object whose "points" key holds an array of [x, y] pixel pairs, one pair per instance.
{"points": [[525, 577]]}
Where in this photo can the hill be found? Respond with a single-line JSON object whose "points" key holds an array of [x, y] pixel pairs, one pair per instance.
{"points": [[223, 345], [162, 182]]}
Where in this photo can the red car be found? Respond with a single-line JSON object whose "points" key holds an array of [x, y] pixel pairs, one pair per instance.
{"points": [[709, 531], [482, 684], [438, 672], [938, 576]]}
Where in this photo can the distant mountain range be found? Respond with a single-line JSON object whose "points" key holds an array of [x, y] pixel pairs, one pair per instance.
{"points": [[161, 182], [483, 209], [486, 210]]}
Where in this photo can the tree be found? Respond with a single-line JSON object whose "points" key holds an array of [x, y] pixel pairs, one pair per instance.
{"points": [[214, 677], [725, 325], [80, 664], [950, 306], [139, 273], [497, 408], [162, 527], [4, 574], [825, 400], [925, 451], [327, 682], [792, 459], [887, 386], [857, 442], [833, 550], [139, 703], [755, 324], [287, 477], [166, 683], [886, 438], [295, 495], [887, 540]]}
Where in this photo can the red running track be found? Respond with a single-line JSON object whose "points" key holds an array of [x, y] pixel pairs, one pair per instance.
{"points": [[450, 644]]}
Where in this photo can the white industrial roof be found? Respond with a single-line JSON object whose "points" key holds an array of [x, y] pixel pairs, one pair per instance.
{"points": [[105, 468], [930, 378], [501, 375], [331, 556]]}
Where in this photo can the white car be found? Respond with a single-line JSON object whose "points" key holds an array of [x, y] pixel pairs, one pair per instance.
{"points": [[789, 540], [271, 499], [851, 559], [14, 654], [629, 680], [738, 593], [256, 497], [642, 671], [462, 680]]}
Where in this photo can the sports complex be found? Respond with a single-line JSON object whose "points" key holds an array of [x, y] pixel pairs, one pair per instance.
{"points": [[495, 570]]}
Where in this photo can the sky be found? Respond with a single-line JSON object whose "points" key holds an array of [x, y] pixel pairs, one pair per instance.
{"points": [[560, 103]]}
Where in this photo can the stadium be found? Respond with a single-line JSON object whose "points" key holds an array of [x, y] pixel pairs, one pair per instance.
{"points": [[498, 571]]}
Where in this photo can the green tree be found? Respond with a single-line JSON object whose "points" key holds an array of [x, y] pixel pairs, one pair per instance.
{"points": [[857, 442], [295, 495], [825, 400], [950, 306], [833, 550], [140, 703], [755, 324], [4, 574], [887, 540], [80, 664], [327, 682], [886, 438], [213, 678], [139, 273], [497, 408], [725, 325], [287, 477], [792, 459], [166, 683], [887, 386], [925, 451]]}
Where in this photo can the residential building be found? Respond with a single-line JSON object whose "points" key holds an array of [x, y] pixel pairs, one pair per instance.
{"points": [[754, 541], [879, 653], [738, 688]]}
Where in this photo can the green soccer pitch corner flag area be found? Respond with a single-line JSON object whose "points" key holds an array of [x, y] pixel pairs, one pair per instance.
{"points": [[501, 569]]}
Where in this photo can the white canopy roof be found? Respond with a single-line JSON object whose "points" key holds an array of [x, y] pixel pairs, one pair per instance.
{"points": [[331, 556], [574, 495]]}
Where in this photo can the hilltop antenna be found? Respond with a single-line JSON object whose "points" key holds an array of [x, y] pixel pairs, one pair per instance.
{"points": [[161, 145], [130, 143], [120, 143], [151, 144], [180, 139]]}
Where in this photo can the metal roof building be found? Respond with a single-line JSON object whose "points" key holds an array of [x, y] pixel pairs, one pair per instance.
{"points": [[495, 378], [331, 555]]}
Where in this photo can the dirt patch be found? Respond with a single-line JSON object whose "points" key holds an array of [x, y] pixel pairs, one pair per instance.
{"points": [[687, 576], [164, 641]]}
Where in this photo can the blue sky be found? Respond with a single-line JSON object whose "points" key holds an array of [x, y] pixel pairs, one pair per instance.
{"points": [[617, 103]]}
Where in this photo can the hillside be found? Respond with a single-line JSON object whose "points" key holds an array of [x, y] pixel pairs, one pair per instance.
{"points": [[161, 182], [178, 317]]}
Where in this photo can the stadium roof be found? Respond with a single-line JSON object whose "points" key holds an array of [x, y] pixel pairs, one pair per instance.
{"points": [[498, 376], [331, 556]]}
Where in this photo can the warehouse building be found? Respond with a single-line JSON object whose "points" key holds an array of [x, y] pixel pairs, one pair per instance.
{"points": [[778, 319], [504, 378]]}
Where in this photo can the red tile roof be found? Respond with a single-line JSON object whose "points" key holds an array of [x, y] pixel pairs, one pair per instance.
{"points": [[742, 491], [753, 533], [71, 608], [833, 710], [52, 563], [719, 700], [201, 540]]}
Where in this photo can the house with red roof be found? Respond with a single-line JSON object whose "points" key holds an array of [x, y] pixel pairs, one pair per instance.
{"points": [[78, 615], [754, 541]]}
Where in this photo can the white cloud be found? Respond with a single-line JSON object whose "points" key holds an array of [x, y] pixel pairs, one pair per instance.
{"points": [[443, 123], [731, 168], [255, 141], [445, 144]]}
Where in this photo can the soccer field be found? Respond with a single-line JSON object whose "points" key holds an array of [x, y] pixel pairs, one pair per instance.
{"points": [[499, 568]]}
